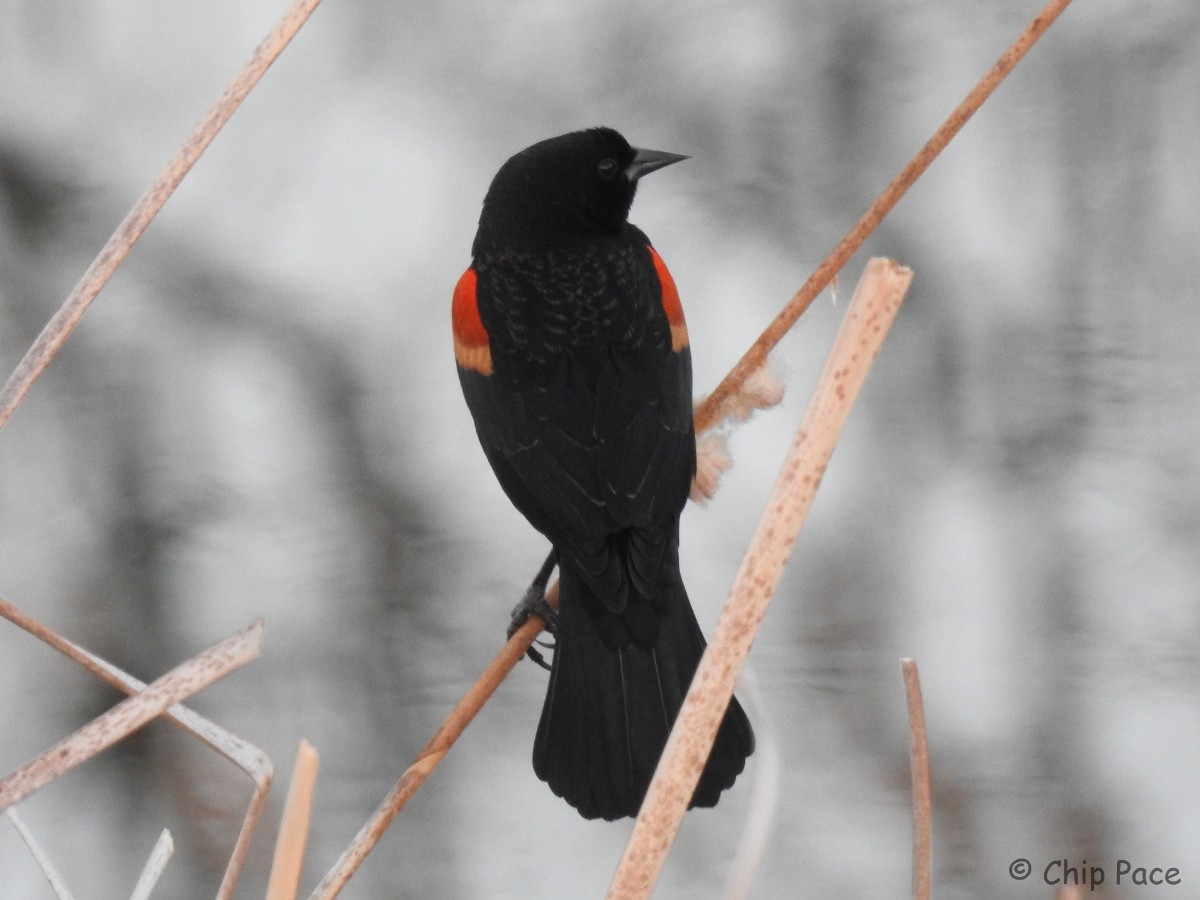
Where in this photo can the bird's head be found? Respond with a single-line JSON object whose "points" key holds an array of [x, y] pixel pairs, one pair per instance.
{"points": [[579, 183]]}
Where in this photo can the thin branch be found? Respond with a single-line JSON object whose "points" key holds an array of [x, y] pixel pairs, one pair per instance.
{"points": [[113, 253], [152, 871], [246, 756], [39, 855], [871, 312], [922, 804], [288, 864], [756, 356], [132, 713]]}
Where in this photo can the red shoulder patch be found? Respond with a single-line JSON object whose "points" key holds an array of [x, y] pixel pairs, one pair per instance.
{"points": [[472, 346], [670, 301]]}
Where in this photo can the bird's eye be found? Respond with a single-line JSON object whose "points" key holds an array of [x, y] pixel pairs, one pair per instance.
{"points": [[607, 168]]}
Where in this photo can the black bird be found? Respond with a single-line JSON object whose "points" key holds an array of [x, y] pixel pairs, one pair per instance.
{"points": [[573, 356]]}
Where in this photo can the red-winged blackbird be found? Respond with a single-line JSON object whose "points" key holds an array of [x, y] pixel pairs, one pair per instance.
{"points": [[573, 357]]}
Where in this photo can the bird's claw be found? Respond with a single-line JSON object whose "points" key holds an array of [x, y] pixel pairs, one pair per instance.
{"points": [[534, 604]]}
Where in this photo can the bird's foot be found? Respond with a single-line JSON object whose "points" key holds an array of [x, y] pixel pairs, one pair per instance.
{"points": [[534, 604]]}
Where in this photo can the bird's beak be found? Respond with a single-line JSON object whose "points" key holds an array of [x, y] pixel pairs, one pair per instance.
{"points": [[647, 161]]}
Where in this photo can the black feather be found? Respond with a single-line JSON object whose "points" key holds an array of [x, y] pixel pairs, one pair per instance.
{"points": [[615, 689]]}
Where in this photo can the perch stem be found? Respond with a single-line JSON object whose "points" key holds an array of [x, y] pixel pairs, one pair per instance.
{"points": [[756, 356], [113, 253]]}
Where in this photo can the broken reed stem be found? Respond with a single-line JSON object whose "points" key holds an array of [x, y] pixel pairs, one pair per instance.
{"points": [[872, 310], [288, 864], [132, 713], [247, 757], [241, 848], [113, 253], [164, 847], [39, 855], [428, 759], [922, 803], [756, 356]]}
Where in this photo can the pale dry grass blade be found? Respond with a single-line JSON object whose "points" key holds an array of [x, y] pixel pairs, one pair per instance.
{"points": [[288, 864], [871, 312], [113, 253], [152, 871], [39, 855], [132, 713], [922, 801]]}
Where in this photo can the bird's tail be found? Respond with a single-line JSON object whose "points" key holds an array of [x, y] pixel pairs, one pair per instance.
{"points": [[616, 685]]}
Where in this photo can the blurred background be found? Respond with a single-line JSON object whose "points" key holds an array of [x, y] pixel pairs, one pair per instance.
{"points": [[260, 417]]}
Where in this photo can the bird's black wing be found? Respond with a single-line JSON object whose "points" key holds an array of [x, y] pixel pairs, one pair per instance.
{"points": [[593, 442]]}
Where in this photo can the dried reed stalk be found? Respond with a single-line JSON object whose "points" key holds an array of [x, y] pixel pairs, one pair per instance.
{"points": [[132, 713], [113, 253], [39, 855], [152, 871], [247, 757], [755, 358], [874, 305], [288, 864], [922, 802]]}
